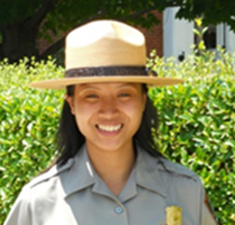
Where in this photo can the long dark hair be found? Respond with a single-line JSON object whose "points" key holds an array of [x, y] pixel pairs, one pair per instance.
{"points": [[70, 139]]}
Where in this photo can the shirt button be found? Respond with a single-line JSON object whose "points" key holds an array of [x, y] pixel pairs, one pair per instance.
{"points": [[118, 210]]}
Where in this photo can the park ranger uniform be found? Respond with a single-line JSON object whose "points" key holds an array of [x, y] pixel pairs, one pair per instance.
{"points": [[73, 194]]}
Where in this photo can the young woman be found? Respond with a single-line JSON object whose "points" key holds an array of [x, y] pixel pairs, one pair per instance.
{"points": [[109, 171]]}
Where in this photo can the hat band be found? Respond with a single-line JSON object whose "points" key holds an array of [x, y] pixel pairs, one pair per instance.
{"points": [[107, 71]]}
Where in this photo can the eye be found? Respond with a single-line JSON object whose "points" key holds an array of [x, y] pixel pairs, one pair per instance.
{"points": [[124, 95], [91, 96]]}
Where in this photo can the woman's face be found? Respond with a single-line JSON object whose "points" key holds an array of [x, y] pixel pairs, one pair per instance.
{"points": [[108, 114]]}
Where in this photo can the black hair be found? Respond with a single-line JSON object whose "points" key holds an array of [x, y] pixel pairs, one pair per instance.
{"points": [[70, 139]]}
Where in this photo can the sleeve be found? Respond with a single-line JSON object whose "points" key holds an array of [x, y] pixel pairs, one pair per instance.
{"points": [[208, 217], [21, 212]]}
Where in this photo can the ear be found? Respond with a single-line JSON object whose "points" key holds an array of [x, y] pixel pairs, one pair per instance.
{"points": [[70, 101]]}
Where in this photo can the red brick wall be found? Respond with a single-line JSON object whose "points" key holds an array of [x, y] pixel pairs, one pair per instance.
{"points": [[154, 38]]}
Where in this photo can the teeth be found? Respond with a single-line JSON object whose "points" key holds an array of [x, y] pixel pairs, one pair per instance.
{"points": [[109, 128]]}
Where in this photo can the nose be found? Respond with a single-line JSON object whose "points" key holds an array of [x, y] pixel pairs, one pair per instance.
{"points": [[108, 107]]}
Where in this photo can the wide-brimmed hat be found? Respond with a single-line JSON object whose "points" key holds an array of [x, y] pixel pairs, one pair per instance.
{"points": [[105, 51]]}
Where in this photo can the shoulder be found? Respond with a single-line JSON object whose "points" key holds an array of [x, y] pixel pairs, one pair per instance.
{"points": [[180, 178], [169, 171], [172, 171], [167, 167], [49, 176], [176, 169], [46, 187], [41, 192]]}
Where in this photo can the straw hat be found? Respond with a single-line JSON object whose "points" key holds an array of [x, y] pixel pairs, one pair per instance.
{"points": [[105, 51]]}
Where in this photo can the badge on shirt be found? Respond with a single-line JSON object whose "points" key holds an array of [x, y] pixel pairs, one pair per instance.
{"points": [[173, 215]]}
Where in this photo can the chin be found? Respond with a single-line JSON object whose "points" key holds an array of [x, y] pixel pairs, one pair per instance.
{"points": [[110, 147]]}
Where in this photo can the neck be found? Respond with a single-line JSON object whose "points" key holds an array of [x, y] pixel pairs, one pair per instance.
{"points": [[113, 167]]}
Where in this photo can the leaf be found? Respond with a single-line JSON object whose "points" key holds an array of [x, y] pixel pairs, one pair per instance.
{"points": [[195, 31], [204, 30], [198, 21], [230, 143], [201, 45]]}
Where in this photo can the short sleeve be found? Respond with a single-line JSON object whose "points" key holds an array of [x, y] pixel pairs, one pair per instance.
{"points": [[208, 217], [21, 211]]}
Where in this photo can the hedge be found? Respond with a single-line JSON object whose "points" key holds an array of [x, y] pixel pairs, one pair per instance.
{"points": [[197, 124], [28, 124]]}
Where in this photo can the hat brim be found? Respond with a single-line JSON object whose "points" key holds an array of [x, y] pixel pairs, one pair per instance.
{"points": [[60, 84]]}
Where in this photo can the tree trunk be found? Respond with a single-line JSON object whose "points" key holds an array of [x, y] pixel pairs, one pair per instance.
{"points": [[18, 40]]}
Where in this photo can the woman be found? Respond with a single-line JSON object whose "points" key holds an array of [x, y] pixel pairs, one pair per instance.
{"points": [[108, 171]]}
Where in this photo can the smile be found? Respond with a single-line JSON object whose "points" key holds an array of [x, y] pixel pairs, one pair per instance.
{"points": [[109, 128]]}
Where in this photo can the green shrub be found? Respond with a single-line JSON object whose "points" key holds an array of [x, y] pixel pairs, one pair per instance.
{"points": [[197, 125], [28, 124]]}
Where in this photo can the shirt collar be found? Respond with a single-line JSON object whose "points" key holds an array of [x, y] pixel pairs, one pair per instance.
{"points": [[148, 174], [81, 174]]}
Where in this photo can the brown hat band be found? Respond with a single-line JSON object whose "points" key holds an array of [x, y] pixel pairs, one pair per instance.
{"points": [[107, 71]]}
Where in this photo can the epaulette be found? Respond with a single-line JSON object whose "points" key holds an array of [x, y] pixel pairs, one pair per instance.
{"points": [[176, 169], [52, 172]]}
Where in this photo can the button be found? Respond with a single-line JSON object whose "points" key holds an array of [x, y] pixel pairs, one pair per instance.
{"points": [[118, 210]]}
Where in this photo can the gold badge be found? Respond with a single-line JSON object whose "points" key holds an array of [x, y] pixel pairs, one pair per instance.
{"points": [[173, 215]]}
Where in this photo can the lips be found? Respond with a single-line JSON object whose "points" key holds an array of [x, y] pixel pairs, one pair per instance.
{"points": [[109, 128]]}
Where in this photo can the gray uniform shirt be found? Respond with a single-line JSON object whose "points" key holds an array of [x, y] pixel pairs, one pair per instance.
{"points": [[74, 195]]}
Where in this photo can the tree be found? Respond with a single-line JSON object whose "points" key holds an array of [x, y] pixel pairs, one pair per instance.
{"points": [[22, 22]]}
